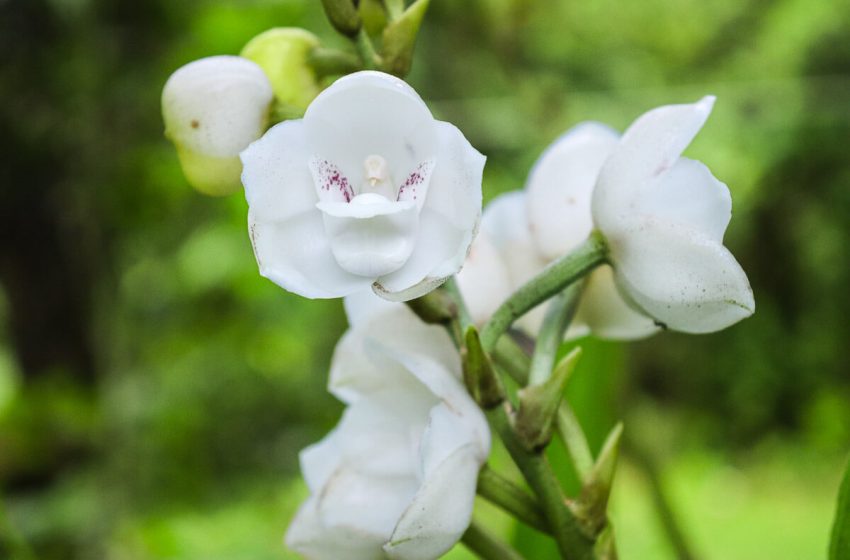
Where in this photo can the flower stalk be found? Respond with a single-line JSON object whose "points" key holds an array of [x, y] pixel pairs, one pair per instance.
{"points": [[554, 278], [485, 545], [500, 491]]}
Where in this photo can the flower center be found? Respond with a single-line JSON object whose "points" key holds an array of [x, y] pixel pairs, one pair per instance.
{"points": [[378, 179]]}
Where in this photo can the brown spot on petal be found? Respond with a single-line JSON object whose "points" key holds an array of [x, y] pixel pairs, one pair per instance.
{"points": [[195, 123]]}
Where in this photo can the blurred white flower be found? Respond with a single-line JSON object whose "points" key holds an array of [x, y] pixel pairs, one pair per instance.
{"points": [[524, 231], [664, 217], [397, 476], [213, 108], [366, 190]]}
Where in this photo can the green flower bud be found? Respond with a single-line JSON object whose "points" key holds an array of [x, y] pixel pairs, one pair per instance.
{"points": [[213, 108], [343, 16], [400, 37], [283, 54]]}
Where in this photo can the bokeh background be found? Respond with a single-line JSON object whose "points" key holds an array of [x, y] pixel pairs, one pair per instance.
{"points": [[155, 390]]}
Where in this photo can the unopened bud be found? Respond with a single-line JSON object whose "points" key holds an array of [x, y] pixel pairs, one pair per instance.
{"points": [[283, 54], [399, 38], [538, 404], [213, 108], [480, 377], [343, 16], [592, 504]]}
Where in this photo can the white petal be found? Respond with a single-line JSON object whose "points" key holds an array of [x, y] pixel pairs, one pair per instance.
{"points": [[276, 175], [505, 222], [217, 105], [363, 306], [455, 187], [441, 510], [484, 280], [320, 460], [689, 195], [449, 219], [376, 432], [560, 186], [371, 113], [358, 369], [648, 148], [308, 536], [330, 182], [371, 504], [680, 276], [439, 253], [371, 236], [286, 228], [446, 385], [295, 254], [605, 313]]}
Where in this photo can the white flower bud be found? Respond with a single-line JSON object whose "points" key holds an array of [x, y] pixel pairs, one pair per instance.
{"points": [[213, 108]]}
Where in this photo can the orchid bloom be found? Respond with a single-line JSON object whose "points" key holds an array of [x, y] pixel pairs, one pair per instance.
{"points": [[368, 189], [664, 217], [524, 231], [397, 477], [213, 108]]}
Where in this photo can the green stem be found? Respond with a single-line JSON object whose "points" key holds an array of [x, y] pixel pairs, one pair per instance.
{"points": [[549, 282], [513, 359], [662, 504], [574, 440], [332, 62], [500, 491], [559, 315], [395, 8], [486, 546], [370, 58], [572, 543]]}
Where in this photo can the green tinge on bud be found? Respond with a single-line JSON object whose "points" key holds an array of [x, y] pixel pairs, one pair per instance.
{"points": [[591, 507], [373, 15], [400, 37], [435, 308], [480, 377], [213, 108], [343, 16], [538, 404], [283, 53]]}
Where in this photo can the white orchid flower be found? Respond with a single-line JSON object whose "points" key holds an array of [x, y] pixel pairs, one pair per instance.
{"points": [[397, 477], [664, 217], [213, 108], [366, 190], [529, 229]]}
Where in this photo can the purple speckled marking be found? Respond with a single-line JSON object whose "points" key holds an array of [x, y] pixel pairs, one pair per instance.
{"points": [[331, 179], [409, 190]]}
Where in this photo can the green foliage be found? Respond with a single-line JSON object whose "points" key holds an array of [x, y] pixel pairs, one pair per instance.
{"points": [[839, 547]]}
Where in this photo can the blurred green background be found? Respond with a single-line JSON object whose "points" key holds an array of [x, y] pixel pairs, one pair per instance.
{"points": [[155, 390]]}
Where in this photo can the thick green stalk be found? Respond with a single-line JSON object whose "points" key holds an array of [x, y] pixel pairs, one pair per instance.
{"points": [[502, 492], [486, 546], [513, 359], [370, 58], [332, 62], [572, 543], [549, 282], [559, 315]]}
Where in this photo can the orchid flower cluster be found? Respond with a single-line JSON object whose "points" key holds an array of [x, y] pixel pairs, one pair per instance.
{"points": [[369, 198]]}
